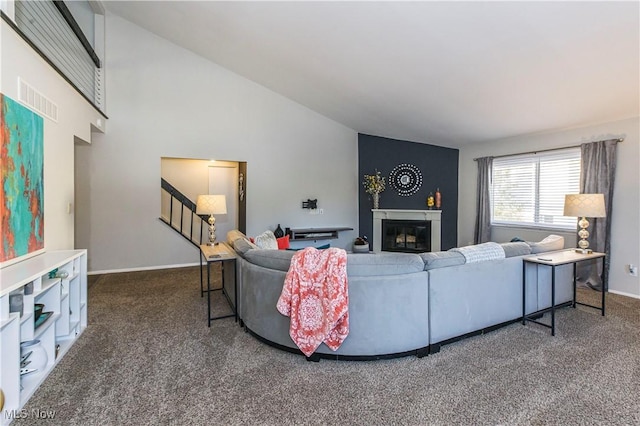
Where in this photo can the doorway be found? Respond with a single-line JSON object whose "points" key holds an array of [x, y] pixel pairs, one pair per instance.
{"points": [[222, 181], [193, 177]]}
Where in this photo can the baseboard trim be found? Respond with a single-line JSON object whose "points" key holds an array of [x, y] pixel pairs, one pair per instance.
{"points": [[622, 293], [144, 268]]}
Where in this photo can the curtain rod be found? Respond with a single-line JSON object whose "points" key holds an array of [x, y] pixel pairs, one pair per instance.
{"points": [[544, 150]]}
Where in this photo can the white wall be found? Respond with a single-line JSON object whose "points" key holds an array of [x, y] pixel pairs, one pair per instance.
{"points": [[625, 238], [75, 118], [165, 101], [189, 176]]}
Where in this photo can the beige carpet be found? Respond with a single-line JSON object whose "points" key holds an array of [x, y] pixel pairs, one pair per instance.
{"points": [[148, 357]]}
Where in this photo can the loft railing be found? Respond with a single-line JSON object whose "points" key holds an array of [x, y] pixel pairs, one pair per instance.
{"points": [[179, 204], [52, 31]]}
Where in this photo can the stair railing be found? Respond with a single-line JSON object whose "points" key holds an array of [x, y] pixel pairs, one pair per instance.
{"points": [[184, 204]]}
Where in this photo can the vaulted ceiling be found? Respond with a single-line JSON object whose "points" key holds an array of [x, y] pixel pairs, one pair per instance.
{"points": [[445, 73]]}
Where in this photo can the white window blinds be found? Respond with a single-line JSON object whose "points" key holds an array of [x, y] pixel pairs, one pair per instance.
{"points": [[47, 29], [529, 189]]}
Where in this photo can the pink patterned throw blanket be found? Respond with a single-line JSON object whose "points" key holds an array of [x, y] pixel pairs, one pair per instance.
{"points": [[315, 296]]}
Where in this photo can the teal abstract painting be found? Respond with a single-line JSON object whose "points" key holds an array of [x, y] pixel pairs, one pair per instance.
{"points": [[21, 172]]}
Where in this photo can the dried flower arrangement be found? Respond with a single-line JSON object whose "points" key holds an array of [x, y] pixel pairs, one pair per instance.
{"points": [[374, 184]]}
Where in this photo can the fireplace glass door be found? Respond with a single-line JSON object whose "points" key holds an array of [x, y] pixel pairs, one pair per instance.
{"points": [[409, 236]]}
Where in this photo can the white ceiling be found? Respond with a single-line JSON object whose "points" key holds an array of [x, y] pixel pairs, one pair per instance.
{"points": [[445, 73]]}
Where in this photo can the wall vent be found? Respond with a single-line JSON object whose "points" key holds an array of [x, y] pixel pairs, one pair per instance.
{"points": [[36, 100]]}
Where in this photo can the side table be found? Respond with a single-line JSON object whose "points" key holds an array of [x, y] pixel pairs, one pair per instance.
{"points": [[223, 254], [554, 259]]}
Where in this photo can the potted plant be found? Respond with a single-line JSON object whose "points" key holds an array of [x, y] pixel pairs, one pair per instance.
{"points": [[361, 245]]}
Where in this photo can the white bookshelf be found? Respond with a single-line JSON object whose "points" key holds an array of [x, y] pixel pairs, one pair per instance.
{"points": [[66, 299]]}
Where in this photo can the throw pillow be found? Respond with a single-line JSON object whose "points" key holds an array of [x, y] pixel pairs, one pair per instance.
{"points": [[233, 235], [283, 242], [242, 245], [515, 249], [551, 243], [266, 240]]}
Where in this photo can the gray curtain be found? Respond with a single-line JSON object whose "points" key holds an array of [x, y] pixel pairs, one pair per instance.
{"points": [[598, 174], [482, 231]]}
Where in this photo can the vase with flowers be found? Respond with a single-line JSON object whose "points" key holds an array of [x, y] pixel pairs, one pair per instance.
{"points": [[374, 185]]}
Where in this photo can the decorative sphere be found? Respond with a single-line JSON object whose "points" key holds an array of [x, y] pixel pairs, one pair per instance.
{"points": [[583, 244], [584, 223], [583, 233]]}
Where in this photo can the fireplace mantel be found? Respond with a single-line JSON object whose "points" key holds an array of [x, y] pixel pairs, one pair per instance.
{"points": [[431, 215]]}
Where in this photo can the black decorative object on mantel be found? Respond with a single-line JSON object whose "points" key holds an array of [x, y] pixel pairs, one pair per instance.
{"points": [[279, 233]]}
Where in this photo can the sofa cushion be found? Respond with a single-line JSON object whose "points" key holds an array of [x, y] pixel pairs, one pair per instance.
{"points": [[442, 259], [381, 264], [551, 243], [272, 259], [242, 245], [516, 249], [266, 240]]}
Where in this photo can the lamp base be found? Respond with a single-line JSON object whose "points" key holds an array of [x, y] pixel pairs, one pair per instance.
{"points": [[583, 251], [212, 231]]}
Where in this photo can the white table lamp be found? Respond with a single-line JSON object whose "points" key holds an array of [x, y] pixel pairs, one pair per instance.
{"points": [[584, 206], [211, 204]]}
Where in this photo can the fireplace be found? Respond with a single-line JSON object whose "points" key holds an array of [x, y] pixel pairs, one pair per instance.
{"points": [[409, 236], [413, 231]]}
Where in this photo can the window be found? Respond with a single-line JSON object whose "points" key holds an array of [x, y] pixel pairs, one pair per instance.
{"points": [[529, 189]]}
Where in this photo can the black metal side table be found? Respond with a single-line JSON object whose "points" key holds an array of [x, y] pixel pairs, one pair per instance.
{"points": [[553, 260], [223, 254]]}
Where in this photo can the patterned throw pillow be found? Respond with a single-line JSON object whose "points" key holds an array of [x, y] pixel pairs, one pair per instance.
{"points": [[266, 240]]}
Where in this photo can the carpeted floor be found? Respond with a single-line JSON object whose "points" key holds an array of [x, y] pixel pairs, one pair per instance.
{"points": [[148, 357]]}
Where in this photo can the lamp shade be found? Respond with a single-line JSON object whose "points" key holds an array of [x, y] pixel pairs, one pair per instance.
{"points": [[211, 204], [584, 205]]}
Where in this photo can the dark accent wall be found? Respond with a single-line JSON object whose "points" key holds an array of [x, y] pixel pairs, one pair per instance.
{"points": [[439, 168]]}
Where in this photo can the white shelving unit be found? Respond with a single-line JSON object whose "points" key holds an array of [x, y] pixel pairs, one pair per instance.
{"points": [[65, 297]]}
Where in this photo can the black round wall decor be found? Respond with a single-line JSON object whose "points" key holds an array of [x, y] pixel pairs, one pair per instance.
{"points": [[406, 179]]}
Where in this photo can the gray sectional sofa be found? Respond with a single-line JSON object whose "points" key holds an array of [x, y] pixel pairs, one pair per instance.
{"points": [[400, 303]]}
